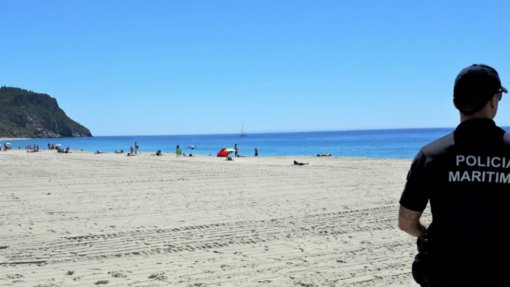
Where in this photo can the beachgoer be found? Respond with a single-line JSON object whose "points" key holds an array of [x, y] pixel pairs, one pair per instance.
{"points": [[236, 152], [300, 163], [465, 178], [256, 152], [323, 154], [158, 152], [136, 147], [178, 151]]}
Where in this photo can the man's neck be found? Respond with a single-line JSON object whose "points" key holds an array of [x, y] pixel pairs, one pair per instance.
{"points": [[464, 118]]}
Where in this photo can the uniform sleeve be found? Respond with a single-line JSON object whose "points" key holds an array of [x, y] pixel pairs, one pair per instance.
{"points": [[415, 195]]}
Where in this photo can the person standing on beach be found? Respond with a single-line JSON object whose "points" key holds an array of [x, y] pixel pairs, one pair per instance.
{"points": [[236, 152], [466, 178]]}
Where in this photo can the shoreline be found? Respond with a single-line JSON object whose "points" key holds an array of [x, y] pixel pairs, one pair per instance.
{"points": [[145, 154], [367, 144], [15, 139]]}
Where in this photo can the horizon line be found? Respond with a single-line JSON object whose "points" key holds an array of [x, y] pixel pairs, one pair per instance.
{"points": [[276, 132]]}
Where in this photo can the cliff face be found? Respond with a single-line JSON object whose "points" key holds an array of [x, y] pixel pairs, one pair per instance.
{"points": [[25, 114]]}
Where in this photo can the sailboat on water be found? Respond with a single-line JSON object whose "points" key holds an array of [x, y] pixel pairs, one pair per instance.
{"points": [[243, 134]]}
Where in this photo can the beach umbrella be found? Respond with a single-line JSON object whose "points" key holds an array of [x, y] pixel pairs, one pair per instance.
{"points": [[223, 153], [229, 150]]}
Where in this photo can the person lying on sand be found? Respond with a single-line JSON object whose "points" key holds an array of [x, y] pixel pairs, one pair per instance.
{"points": [[324, 154], [300, 163]]}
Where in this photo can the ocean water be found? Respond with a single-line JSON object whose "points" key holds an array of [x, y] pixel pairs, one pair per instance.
{"points": [[396, 143]]}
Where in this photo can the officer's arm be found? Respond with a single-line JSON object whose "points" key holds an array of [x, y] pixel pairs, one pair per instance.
{"points": [[409, 221]]}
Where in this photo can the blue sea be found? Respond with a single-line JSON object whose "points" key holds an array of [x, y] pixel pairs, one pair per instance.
{"points": [[396, 143]]}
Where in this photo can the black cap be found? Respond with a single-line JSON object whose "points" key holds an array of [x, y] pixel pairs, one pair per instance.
{"points": [[475, 86]]}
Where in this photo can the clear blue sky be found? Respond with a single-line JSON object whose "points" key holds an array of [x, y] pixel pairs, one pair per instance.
{"points": [[191, 67]]}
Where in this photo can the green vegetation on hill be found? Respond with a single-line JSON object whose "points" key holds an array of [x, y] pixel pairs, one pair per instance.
{"points": [[26, 114]]}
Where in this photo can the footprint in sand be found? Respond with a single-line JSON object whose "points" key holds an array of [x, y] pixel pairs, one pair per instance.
{"points": [[158, 276], [117, 274], [14, 276]]}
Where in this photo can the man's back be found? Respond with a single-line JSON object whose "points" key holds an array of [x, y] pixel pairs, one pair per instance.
{"points": [[466, 177]]}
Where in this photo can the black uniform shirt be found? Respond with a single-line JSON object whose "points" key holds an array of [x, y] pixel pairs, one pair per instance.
{"points": [[466, 177]]}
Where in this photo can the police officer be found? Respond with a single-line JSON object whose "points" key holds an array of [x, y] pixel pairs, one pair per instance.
{"points": [[466, 178]]}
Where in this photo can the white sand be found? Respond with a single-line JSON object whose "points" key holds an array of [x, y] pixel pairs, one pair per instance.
{"points": [[82, 219]]}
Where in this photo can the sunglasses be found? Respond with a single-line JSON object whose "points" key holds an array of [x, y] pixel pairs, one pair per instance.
{"points": [[500, 93]]}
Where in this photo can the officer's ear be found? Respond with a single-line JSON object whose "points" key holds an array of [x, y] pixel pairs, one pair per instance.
{"points": [[495, 100]]}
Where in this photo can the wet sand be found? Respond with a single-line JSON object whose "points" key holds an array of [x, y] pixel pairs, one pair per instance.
{"points": [[85, 219]]}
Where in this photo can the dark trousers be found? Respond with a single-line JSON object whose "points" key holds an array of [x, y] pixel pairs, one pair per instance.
{"points": [[467, 273]]}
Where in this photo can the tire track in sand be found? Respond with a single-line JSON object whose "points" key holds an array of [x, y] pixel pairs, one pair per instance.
{"points": [[203, 237]]}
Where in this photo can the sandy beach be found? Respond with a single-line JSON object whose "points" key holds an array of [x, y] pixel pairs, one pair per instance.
{"points": [[85, 219]]}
